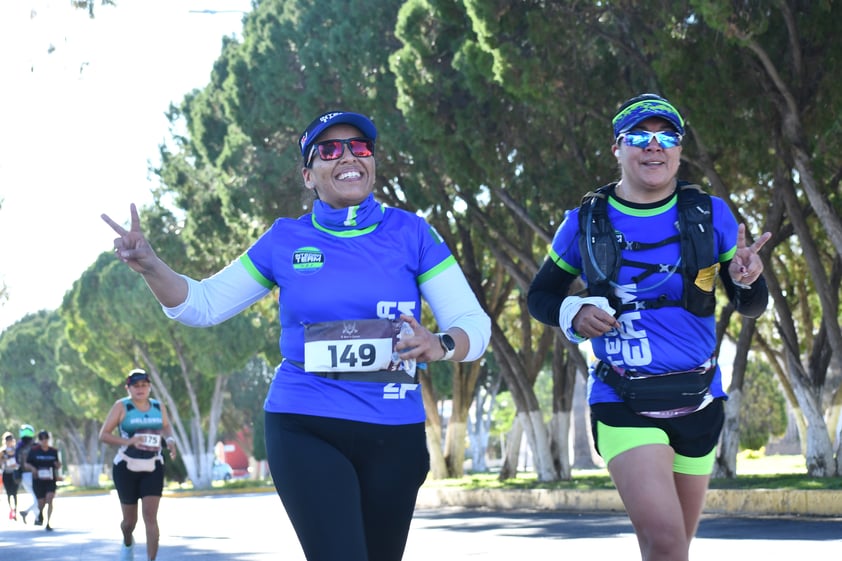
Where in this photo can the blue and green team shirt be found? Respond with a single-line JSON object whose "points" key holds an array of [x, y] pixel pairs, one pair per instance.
{"points": [[667, 339], [366, 271]]}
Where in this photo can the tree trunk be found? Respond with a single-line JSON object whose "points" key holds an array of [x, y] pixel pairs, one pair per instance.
{"points": [[479, 426], [511, 454], [465, 376], [454, 445], [85, 454], [729, 444], [561, 422], [561, 425], [538, 439], [528, 409], [432, 426], [819, 451], [726, 461]]}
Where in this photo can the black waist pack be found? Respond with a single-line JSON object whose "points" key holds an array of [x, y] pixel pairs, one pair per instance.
{"points": [[658, 392]]}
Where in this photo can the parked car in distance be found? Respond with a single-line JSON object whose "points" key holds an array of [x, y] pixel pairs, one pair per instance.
{"points": [[221, 471]]}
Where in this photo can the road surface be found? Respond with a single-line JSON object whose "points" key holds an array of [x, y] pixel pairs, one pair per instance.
{"points": [[253, 527]]}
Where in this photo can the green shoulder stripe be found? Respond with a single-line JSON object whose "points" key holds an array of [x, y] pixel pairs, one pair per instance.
{"points": [[254, 273], [728, 255], [424, 277], [564, 264]]}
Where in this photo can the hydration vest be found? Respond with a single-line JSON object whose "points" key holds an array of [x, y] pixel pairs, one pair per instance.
{"points": [[601, 248]]}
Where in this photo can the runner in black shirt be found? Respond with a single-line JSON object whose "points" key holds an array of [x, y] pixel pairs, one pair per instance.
{"points": [[44, 464]]}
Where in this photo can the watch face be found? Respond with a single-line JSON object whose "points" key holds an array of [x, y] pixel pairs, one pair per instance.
{"points": [[447, 342]]}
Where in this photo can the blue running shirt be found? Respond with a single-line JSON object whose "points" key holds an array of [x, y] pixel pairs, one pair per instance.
{"points": [[667, 339], [363, 267]]}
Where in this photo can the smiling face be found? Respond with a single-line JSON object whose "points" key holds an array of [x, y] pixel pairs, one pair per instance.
{"points": [[343, 182], [648, 174]]}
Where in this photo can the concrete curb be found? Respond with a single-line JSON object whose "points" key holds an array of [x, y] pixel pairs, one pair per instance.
{"points": [[758, 502], [816, 502], [719, 501]]}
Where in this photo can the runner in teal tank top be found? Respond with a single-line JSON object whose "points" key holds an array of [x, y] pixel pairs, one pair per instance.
{"points": [[144, 430]]}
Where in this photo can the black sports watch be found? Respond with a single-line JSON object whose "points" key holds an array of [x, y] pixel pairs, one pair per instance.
{"points": [[448, 344]]}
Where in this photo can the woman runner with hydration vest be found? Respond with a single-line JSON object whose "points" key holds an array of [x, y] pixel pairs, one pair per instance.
{"points": [[649, 248]]}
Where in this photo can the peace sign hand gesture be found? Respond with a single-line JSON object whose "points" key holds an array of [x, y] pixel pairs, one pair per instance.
{"points": [[746, 266], [131, 247]]}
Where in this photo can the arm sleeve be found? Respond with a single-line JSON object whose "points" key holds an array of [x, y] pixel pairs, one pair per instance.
{"points": [[547, 291], [750, 302], [217, 298], [454, 304]]}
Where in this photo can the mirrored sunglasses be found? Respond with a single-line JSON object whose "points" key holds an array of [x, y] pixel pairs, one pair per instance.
{"points": [[333, 149], [641, 139]]}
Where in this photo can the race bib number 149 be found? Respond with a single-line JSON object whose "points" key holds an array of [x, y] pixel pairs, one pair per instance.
{"points": [[351, 346]]}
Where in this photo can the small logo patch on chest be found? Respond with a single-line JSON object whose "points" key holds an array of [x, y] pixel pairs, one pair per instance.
{"points": [[308, 260]]}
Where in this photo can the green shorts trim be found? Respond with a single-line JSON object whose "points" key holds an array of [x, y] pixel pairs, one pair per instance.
{"points": [[613, 441]]}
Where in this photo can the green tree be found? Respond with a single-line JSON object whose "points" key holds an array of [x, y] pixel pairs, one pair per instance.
{"points": [[239, 168], [768, 66], [248, 389], [47, 385], [116, 324], [494, 119], [763, 411]]}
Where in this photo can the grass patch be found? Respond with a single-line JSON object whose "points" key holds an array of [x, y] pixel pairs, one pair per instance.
{"points": [[780, 481], [754, 471], [175, 488]]}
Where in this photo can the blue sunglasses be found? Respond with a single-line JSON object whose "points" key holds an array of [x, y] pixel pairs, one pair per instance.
{"points": [[641, 139]]}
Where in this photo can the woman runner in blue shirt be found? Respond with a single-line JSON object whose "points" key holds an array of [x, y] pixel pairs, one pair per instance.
{"points": [[649, 248], [344, 414]]}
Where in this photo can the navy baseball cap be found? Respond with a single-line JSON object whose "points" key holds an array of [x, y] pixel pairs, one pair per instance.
{"points": [[135, 376], [642, 107], [329, 119]]}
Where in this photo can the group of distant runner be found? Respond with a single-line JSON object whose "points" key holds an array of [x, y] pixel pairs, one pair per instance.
{"points": [[33, 465]]}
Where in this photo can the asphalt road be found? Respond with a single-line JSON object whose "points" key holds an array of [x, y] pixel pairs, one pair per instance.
{"points": [[253, 527]]}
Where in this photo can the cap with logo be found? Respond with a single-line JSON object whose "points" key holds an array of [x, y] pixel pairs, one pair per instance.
{"points": [[329, 119], [642, 107]]}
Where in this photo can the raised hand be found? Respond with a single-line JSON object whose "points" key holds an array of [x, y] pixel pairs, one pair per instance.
{"points": [[746, 266], [131, 247]]}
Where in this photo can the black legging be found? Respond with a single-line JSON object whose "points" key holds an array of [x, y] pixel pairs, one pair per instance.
{"points": [[349, 488]]}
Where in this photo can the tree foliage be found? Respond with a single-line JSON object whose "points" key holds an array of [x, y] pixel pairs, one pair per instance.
{"points": [[494, 118], [503, 113], [116, 325], [763, 409]]}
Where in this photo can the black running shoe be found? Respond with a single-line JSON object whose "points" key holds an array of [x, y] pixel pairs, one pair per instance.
{"points": [[49, 528], [23, 514], [39, 520]]}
